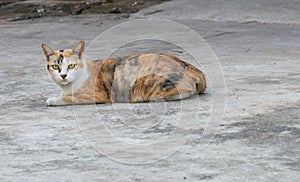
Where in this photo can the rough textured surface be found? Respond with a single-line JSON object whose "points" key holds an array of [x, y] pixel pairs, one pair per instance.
{"points": [[16, 10], [267, 11], [258, 138]]}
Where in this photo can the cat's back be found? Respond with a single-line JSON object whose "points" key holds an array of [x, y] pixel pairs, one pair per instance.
{"points": [[136, 66], [146, 74], [139, 64], [148, 63]]}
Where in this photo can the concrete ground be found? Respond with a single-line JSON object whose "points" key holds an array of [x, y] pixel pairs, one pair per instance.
{"points": [[257, 138]]}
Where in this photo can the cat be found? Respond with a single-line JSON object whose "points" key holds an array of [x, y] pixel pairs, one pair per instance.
{"points": [[132, 79]]}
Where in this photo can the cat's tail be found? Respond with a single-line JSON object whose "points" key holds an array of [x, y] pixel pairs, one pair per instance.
{"points": [[198, 77]]}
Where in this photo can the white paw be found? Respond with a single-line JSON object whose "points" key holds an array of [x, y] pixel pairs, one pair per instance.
{"points": [[55, 101]]}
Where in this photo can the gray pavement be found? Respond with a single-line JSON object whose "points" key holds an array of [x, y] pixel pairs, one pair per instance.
{"points": [[258, 49]]}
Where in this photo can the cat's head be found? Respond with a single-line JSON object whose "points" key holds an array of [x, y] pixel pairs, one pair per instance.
{"points": [[64, 65]]}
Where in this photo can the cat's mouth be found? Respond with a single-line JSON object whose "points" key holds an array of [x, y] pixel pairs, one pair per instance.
{"points": [[64, 82]]}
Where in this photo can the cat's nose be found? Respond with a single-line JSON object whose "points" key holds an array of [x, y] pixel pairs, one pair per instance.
{"points": [[63, 76]]}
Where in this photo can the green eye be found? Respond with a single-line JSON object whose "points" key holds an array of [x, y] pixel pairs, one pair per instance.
{"points": [[55, 67], [71, 66]]}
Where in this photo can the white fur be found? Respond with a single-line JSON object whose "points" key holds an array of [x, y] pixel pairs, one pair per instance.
{"points": [[78, 77], [55, 101], [71, 74], [74, 80]]}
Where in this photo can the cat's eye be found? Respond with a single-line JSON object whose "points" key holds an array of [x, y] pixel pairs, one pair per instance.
{"points": [[71, 66], [55, 67]]}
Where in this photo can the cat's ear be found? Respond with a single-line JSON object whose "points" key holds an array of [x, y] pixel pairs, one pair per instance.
{"points": [[79, 49], [48, 51]]}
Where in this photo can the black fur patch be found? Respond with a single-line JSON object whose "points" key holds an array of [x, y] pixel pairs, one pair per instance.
{"points": [[185, 64], [60, 59], [167, 85], [61, 50], [111, 70]]}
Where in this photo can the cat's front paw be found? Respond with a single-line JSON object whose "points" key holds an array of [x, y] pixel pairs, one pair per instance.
{"points": [[55, 101]]}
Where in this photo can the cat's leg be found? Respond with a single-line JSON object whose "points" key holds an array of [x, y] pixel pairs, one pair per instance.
{"points": [[55, 101]]}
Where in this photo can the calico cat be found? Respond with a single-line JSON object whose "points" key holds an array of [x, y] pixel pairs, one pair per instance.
{"points": [[135, 78]]}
